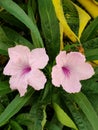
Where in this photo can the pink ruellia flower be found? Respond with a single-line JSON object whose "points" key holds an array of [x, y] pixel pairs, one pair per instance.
{"points": [[24, 68], [70, 68]]}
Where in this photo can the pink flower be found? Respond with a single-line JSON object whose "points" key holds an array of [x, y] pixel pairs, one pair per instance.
{"points": [[69, 70], [24, 68]]}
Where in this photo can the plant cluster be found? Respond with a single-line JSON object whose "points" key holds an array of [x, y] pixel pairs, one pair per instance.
{"points": [[48, 65]]}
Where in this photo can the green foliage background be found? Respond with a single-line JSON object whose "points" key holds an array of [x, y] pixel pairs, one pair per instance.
{"points": [[34, 23]]}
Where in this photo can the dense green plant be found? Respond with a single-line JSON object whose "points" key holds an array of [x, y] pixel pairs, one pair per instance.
{"points": [[35, 24]]}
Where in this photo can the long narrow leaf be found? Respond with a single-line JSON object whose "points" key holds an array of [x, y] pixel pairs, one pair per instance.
{"points": [[5, 43], [16, 37], [91, 31], [18, 12], [87, 108], [79, 117], [63, 117], [16, 104], [31, 14], [92, 54], [50, 27]]}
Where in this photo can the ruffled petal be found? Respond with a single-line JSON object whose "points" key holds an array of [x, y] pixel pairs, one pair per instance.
{"points": [[75, 58], [78, 65], [84, 71], [57, 76], [71, 84], [19, 54], [12, 68], [61, 58], [19, 83], [38, 58], [36, 79]]}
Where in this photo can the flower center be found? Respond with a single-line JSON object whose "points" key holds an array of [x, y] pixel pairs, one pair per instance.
{"points": [[26, 70], [66, 71]]}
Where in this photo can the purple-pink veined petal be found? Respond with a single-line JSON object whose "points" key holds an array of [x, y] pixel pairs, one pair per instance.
{"points": [[18, 83], [12, 69], [70, 69], [38, 58], [36, 79], [57, 76], [84, 71], [61, 58], [19, 54], [76, 61], [71, 84]]}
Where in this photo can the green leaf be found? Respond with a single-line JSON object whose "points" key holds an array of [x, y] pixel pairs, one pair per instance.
{"points": [[4, 42], [38, 116], [87, 108], [16, 104], [79, 117], [90, 87], [93, 98], [4, 88], [15, 125], [9, 38], [16, 38], [44, 117], [52, 126], [50, 27], [91, 31], [19, 13], [71, 15], [31, 14], [3, 48], [91, 44], [91, 54], [25, 119], [63, 117], [46, 93], [31, 120], [10, 19], [30, 10]]}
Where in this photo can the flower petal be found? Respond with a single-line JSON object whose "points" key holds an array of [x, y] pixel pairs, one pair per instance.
{"points": [[36, 79], [71, 84], [61, 58], [12, 69], [38, 58], [75, 58], [56, 76], [19, 54], [84, 71], [19, 83], [76, 62]]}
